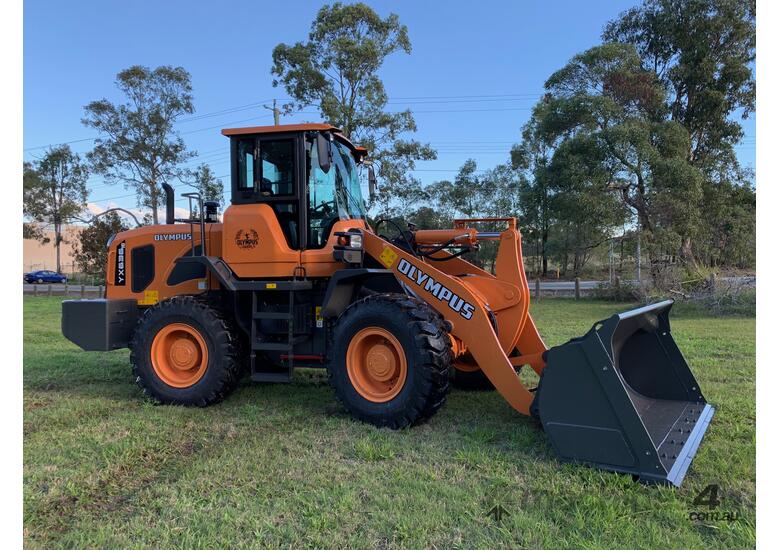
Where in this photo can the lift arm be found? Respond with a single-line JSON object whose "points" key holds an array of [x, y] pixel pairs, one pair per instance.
{"points": [[466, 311]]}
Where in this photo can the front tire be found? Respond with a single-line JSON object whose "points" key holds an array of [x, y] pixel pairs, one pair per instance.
{"points": [[389, 360], [184, 352]]}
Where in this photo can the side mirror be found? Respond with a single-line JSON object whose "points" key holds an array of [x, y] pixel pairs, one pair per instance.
{"points": [[323, 152], [371, 181]]}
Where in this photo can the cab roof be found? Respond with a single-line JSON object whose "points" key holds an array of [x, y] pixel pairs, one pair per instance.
{"points": [[313, 126], [307, 127]]}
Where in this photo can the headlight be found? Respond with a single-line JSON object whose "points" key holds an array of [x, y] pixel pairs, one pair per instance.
{"points": [[351, 240]]}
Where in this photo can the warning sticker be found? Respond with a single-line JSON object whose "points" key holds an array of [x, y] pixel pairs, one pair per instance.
{"points": [[150, 298], [388, 257]]}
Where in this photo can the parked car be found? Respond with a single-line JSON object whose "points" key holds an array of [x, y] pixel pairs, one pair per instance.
{"points": [[45, 276]]}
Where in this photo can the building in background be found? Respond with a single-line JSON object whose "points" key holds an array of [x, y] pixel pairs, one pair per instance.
{"points": [[37, 255]]}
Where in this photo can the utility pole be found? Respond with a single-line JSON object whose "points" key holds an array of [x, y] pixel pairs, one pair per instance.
{"points": [[638, 258], [611, 256], [276, 112]]}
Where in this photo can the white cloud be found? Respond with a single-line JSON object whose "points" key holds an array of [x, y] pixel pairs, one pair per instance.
{"points": [[93, 209]]}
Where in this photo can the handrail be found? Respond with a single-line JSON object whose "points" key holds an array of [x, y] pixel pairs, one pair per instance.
{"points": [[190, 197]]}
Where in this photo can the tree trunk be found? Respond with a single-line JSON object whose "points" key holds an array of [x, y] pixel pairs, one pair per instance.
{"points": [[686, 250], [544, 252], [153, 201], [57, 239]]}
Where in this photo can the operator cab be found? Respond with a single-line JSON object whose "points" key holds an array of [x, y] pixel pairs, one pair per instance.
{"points": [[307, 173]]}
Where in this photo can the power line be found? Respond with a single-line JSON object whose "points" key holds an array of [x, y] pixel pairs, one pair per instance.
{"points": [[228, 110], [396, 100], [224, 111], [62, 143]]}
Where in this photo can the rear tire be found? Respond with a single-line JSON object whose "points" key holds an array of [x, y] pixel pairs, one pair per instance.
{"points": [[185, 352], [403, 377]]}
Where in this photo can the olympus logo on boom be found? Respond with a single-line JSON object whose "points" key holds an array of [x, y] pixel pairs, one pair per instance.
{"points": [[429, 284]]}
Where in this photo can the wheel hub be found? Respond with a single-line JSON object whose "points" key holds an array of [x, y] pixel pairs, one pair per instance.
{"points": [[376, 364], [179, 355], [382, 363], [184, 354]]}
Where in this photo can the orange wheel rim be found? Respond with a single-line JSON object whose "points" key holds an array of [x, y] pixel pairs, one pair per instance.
{"points": [[179, 355], [376, 364]]}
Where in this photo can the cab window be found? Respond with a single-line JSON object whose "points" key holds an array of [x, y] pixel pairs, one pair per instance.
{"points": [[277, 167], [246, 164], [266, 167]]}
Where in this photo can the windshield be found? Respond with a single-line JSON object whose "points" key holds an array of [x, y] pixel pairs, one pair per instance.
{"points": [[334, 195]]}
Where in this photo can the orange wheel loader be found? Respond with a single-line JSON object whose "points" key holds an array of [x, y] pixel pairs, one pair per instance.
{"points": [[294, 276]]}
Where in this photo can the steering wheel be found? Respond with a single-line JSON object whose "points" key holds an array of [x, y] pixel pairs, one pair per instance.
{"points": [[325, 206], [266, 188]]}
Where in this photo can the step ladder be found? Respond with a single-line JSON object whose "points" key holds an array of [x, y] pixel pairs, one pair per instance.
{"points": [[261, 373]]}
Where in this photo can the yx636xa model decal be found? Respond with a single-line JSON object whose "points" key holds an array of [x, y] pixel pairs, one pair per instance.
{"points": [[119, 269], [429, 284]]}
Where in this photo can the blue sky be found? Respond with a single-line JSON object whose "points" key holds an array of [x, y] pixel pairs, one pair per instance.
{"points": [[474, 73]]}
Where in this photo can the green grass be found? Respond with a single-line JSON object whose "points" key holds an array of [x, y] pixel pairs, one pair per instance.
{"points": [[284, 466]]}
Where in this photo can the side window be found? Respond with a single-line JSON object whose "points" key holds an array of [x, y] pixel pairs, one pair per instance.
{"points": [[246, 164], [277, 167]]}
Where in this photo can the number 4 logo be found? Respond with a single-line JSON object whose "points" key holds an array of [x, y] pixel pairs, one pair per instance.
{"points": [[708, 497]]}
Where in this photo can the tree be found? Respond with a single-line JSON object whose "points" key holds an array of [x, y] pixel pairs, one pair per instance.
{"points": [[464, 196], [702, 53], [606, 110], [490, 194], [567, 206], [532, 157], [90, 251], [55, 192], [209, 187], [337, 70], [138, 145], [580, 198]]}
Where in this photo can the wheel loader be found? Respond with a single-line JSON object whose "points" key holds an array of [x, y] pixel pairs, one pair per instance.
{"points": [[293, 275]]}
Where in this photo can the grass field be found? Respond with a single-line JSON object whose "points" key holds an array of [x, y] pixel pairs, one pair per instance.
{"points": [[284, 466]]}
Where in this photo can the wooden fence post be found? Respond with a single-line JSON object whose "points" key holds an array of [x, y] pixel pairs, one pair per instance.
{"points": [[617, 287], [538, 288], [66, 289], [35, 289], [49, 293], [102, 291], [712, 283], [83, 290], [576, 288]]}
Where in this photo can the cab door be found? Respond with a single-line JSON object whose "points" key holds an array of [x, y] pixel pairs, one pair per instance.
{"points": [[325, 214], [261, 236]]}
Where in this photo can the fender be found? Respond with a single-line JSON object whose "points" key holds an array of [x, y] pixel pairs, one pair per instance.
{"points": [[345, 282]]}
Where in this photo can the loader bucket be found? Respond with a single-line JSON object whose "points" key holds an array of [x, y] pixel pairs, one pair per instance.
{"points": [[623, 398]]}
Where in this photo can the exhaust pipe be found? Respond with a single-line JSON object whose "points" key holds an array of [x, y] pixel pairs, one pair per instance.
{"points": [[169, 218]]}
